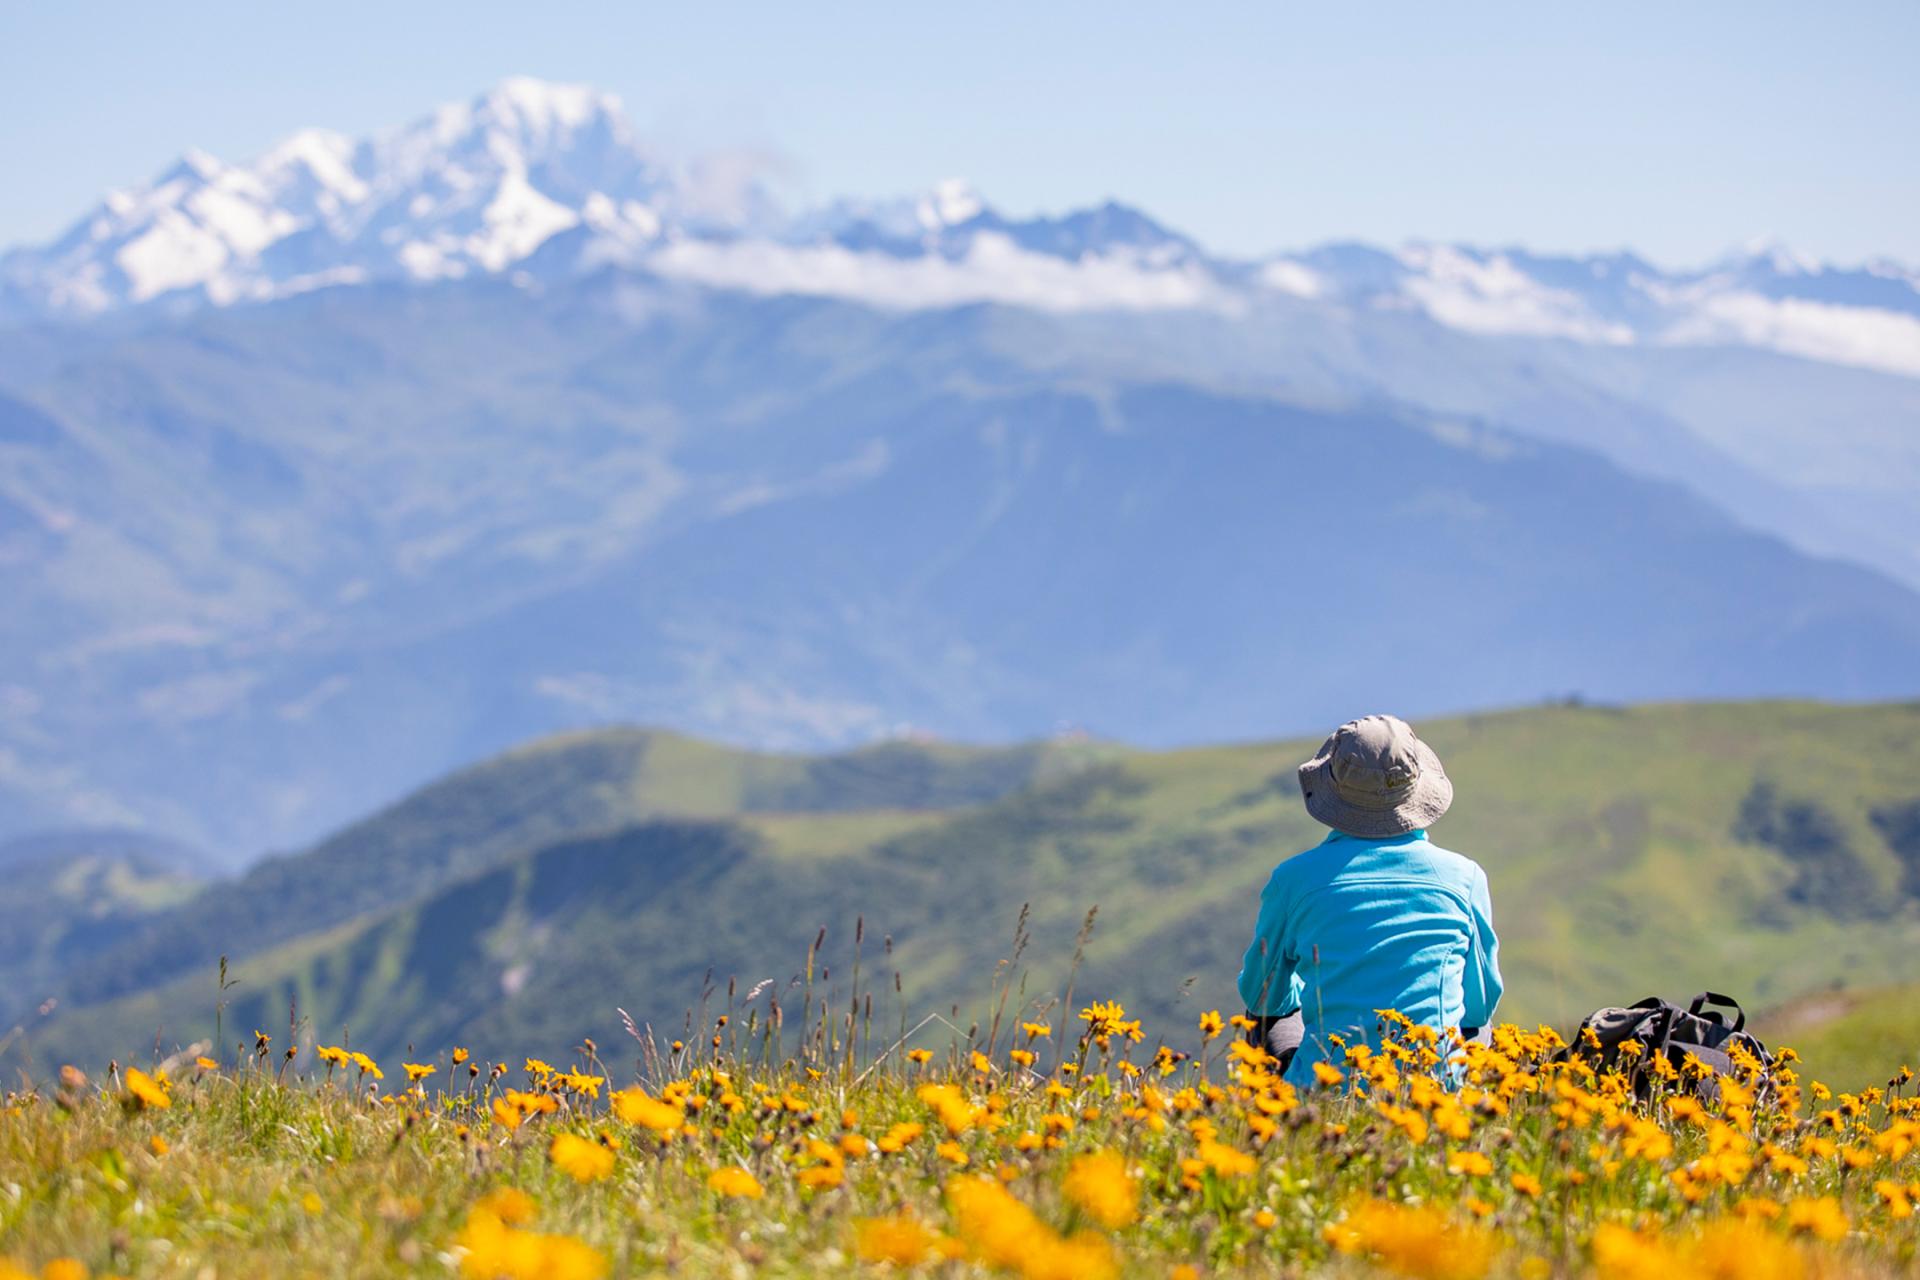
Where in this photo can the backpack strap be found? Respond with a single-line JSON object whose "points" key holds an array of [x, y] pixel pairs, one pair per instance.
{"points": [[1726, 1002]]}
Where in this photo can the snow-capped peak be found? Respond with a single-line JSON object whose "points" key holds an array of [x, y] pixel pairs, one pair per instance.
{"points": [[194, 165], [1775, 254], [952, 201], [542, 180], [540, 106], [473, 186]]}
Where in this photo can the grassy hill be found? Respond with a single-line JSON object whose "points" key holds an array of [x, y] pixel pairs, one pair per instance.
{"points": [[1855, 1037], [1759, 848], [70, 894]]}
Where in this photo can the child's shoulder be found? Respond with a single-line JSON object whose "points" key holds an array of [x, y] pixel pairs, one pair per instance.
{"points": [[1456, 864]]}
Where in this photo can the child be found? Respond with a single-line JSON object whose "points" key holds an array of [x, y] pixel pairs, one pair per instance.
{"points": [[1375, 916]]}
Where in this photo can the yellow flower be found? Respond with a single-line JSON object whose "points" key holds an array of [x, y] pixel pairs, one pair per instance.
{"points": [[64, 1269], [581, 1082], [900, 1239], [896, 1138], [1265, 1219], [206, 1064], [1036, 1030], [509, 1204], [920, 1057], [951, 1105], [1472, 1163], [158, 1145], [951, 1152], [491, 1249], [1107, 1020], [1406, 1119], [1002, 1232], [1325, 1073], [635, 1107], [1211, 1024], [1419, 1242], [735, 1183], [1100, 1184], [1227, 1161], [1821, 1218], [418, 1070], [368, 1067], [1023, 1057], [1527, 1185], [507, 1114], [1899, 1203], [579, 1158], [820, 1177], [145, 1091]]}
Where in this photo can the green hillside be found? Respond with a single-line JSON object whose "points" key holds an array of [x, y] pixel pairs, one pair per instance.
{"points": [[1760, 848], [73, 898], [547, 790], [1851, 1038]]}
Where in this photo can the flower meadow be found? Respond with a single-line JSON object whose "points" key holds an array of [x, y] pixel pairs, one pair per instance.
{"points": [[1047, 1148]]}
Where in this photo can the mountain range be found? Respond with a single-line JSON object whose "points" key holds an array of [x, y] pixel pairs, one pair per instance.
{"points": [[542, 181], [327, 473]]}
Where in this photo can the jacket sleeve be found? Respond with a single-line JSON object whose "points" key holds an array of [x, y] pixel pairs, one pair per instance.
{"points": [[1268, 986], [1481, 986]]}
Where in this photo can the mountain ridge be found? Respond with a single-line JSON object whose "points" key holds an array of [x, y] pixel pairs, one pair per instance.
{"points": [[539, 181], [1591, 821]]}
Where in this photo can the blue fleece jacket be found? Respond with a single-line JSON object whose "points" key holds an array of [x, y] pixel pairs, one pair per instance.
{"points": [[1355, 925]]}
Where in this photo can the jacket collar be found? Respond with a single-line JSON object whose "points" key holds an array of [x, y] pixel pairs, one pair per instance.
{"points": [[1418, 833]]}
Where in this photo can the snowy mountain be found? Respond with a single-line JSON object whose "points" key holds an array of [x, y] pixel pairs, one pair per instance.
{"points": [[540, 182], [509, 422], [1762, 297], [470, 189]]}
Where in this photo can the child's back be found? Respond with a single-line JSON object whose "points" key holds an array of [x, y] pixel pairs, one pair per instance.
{"points": [[1375, 917], [1357, 925]]}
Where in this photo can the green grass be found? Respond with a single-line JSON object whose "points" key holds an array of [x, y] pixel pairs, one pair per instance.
{"points": [[1851, 1038], [527, 899], [1535, 1171]]}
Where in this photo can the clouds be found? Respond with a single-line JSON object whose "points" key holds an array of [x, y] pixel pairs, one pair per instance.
{"points": [[992, 269]]}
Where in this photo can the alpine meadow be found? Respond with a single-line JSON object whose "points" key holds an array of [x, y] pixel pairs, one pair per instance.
{"points": [[572, 706]]}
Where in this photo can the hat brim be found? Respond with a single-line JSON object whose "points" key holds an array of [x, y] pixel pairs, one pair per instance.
{"points": [[1428, 798]]}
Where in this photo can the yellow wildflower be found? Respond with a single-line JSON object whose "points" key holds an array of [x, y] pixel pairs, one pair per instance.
{"points": [[1100, 1184], [735, 1183], [1821, 1218], [579, 1158], [636, 1107], [901, 1239], [145, 1091], [1419, 1242], [509, 1204], [1473, 1164]]}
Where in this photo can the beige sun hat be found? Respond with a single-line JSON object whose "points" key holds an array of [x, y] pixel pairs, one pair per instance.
{"points": [[1373, 777]]}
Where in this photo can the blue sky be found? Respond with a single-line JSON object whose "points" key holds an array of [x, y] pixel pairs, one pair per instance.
{"points": [[1678, 130]]}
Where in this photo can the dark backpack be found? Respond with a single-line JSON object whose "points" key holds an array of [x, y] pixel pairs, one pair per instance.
{"points": [[1665, 1030]]}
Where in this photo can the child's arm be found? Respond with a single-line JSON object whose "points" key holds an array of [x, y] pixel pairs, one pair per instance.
{"points": [[1481, 986], [1267, 982]]}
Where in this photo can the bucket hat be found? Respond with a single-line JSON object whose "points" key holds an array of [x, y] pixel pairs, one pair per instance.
{"points": [[1373, 777]]}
